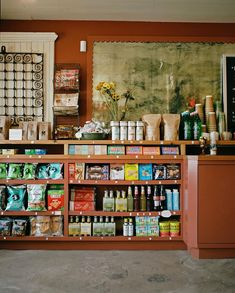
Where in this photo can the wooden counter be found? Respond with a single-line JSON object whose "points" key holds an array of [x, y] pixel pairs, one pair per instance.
{"points": [[210, 206]]}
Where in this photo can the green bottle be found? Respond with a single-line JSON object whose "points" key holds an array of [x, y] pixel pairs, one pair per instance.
{"points": [[142, 200], [130, 201]]}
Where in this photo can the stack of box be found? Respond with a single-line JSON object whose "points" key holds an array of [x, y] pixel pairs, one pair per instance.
{"points": [[146, 226], [82, 199]]}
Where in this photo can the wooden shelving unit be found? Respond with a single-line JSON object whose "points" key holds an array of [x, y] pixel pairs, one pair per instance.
{"points": [[59, 152]]}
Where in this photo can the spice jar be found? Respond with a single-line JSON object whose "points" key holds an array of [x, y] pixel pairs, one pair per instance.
{"points": [[131, 130], [139, 130], [123, 130], [115, 130]]}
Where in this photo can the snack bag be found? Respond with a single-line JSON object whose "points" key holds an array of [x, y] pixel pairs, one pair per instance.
{"points": [[15, 198], [43, 227], [32, 224], [36, 197], [3, 171], [2, 197], [55, 171], [5, 226], [14, 171], [19, 227], [29, 171], [42, 171], [55, 199], [56, 225]]}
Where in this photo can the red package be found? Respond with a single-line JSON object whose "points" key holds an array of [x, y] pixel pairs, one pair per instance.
{"points": [[82, 206], [55, 200]]}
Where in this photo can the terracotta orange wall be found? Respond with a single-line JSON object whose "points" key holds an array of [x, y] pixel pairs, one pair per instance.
{"points": [[71, 32]]}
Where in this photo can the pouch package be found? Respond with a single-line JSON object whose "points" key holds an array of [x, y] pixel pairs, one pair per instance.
{"points": [[14, 171], [5, 226], [36, 197], [2, 197], [56, 225], [55, 171], [19, 227], [29, 171], [3, 170], [15, 198], [43, 226], [42, 171]]}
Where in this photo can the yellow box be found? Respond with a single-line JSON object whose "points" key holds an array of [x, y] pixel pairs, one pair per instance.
{"points": [[131, 172]]}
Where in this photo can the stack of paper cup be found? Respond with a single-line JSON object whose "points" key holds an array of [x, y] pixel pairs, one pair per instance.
{"points": [[209, 107], [199, 109], [211, 122]]}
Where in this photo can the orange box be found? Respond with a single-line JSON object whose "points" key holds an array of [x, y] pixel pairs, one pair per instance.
{"points": [[83, 195], [134, 150], [81, 206], [154, 150]]}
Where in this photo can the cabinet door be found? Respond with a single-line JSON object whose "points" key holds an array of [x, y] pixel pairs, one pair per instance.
{"points": [[216, 202]]}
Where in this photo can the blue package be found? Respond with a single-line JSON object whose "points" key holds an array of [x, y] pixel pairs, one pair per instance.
{"points": [[40, 152], [145, 172], [169, 199], [176, 200]]}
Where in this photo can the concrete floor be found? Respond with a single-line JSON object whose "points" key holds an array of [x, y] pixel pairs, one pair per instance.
{"points": [[113, 271]]}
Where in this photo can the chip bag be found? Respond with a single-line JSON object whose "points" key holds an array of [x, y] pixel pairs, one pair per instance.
{"points": [[36, 197], [15, 198]]}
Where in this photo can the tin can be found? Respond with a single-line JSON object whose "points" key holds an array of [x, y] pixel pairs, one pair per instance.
{"points": [[164, 228], [131, 130], [174, 228], [139, 130], [115, 130], [123, 130]]}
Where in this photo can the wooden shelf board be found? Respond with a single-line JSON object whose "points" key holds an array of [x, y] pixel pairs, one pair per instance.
{"points": [[120, 214], [125, 182], [33, 181], [31, 213]]}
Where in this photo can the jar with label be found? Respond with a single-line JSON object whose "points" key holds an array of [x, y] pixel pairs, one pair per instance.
{"points": [[139, 130], [131, 130], [123, 130], [115, 130]]}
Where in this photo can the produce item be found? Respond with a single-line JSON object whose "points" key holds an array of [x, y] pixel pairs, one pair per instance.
{"points": [[14, 171], [5, 226], [2, 197], [56, 225], [171, 126], [36, 197], [3, 171], [15, 198], [19, 227], [152, 126], [29, 171], [55, 171]]}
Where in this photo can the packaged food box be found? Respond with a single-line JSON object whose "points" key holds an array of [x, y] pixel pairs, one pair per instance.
{"points": [[82, 205], [145, 172], [40, 152], [83, 194], [116, 150], [55, 200], [76, 171], [100, 149], [71, 150], [141, 221], [152, 220], [173, 171], [97, 172], [154, 150], [153, 230], [164, 229], [117, 172], [134, 150], [9, 151], [84, 149], [141, 230], [170, 150], [159, 172], [29, 151], [131, 171]]}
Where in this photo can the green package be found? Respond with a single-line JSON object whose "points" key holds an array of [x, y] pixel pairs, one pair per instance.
{"points": [[55, 171], [42, 171], [14, 171], [36, 197], [16, 197], [29, 170], [2, 197], [3, 171]]}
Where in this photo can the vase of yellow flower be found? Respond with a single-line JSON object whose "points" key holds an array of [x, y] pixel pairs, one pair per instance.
{"points": [[113, 100]]}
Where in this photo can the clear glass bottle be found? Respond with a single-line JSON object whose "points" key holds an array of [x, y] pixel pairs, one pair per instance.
{"points": [[125, 227], [130, 200], [130, 228], [139, 130], [136, 199], [142, 200], [149, 199]]}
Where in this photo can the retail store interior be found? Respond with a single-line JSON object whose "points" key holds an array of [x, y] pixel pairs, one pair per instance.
{"points": [[117, 146]]}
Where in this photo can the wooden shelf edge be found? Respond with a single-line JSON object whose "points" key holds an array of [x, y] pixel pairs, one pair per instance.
{"points": [[31, 213], [121, 214], [125, 182]]}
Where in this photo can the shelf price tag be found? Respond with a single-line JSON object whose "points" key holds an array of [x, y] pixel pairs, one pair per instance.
{"points": [[150, 238], [129, 238], [166, 214], [57, 213], [2, 213], [32, 141]]}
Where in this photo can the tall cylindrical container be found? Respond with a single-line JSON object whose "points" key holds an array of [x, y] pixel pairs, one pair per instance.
{"points": [[123, 130], [115, 130]]}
